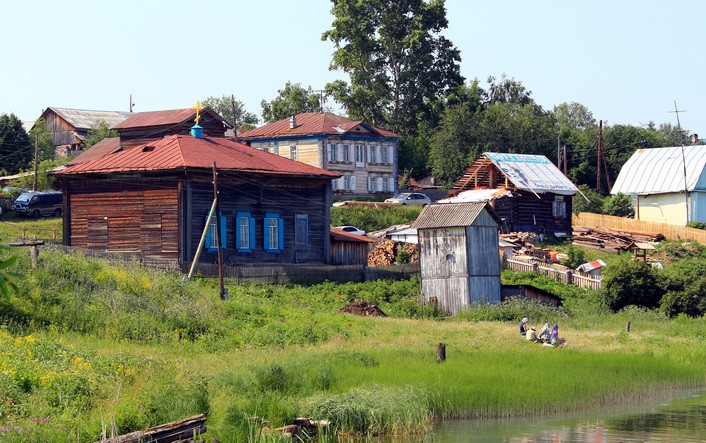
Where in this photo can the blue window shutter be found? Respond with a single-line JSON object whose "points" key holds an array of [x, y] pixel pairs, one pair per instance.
{"points": [[208, 234], [252, 233], [266, 233], [224, 244], [280, 233]]}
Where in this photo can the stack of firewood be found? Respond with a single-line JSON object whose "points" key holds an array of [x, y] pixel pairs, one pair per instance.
{"points": [[521, 238], [385, 253], [610, 240]]}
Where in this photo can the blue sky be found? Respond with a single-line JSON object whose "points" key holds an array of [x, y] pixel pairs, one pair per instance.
{"points": [[626, 60]]}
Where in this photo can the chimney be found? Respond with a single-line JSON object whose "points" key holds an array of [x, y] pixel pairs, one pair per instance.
{"points": [[292, 122], [694, 138]]}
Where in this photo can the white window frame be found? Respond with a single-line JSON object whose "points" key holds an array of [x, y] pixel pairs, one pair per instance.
{"points": [[360, 156], [384, 152], [332, 152], [346, 153], [371, 153], [293, 154]]}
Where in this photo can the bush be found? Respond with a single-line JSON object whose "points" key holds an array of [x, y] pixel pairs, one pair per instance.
{"points": [[619, 205], [577, 257], [631, 282], [372, 219]]}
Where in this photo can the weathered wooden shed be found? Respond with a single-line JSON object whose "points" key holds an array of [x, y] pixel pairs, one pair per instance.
{"points": [[527, 192], [458, 255], [531, 293], [153, 201], [349, 249], [69, 127]]}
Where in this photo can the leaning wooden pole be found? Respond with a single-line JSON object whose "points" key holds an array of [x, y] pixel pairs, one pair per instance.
{"points": [[218, 235], [202, 241]]}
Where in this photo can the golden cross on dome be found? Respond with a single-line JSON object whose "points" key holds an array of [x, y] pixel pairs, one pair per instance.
{"points": [[198, 108]]}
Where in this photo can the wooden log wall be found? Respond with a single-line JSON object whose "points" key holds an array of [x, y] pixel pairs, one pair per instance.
{"points": [[125, 217], [286, 197]]}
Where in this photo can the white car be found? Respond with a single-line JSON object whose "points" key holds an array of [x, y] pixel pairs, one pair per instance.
{"points": [[351, 229], [410, 198]]}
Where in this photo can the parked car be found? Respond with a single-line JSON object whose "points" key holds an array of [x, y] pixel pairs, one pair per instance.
{"points": [[351, 229], [37, 204], [410, 198]]}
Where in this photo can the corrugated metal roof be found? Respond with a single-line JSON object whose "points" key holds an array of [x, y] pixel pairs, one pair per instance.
{"points": [[450, 215], [477, 195], [183, 151], [337, 234], [532, 173], [99, 150], [661, 170], [312, 123], [85, 119], [167, 117]]}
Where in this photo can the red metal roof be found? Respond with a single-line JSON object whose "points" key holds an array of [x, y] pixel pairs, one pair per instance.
{"points": [[159, 118], [99, 150], [312, 123], [183, 151], [337, 234]]}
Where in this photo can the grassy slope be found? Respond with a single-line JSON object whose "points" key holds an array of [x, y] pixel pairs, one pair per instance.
{"points": [[90, 344]]}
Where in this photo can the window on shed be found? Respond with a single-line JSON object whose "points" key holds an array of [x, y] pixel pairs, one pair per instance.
{"points": [[559, 207], [293, 152]]}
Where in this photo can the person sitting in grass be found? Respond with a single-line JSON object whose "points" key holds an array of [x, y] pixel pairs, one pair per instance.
{"points": [[544, 333], [554, 336], [532, 335], [523, 326]]}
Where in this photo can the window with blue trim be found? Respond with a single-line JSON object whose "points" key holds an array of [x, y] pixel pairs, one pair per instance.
{"points": [[244, 232], [274, 232], [211, 242]]}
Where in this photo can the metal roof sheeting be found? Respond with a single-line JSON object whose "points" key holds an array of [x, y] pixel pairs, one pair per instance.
{"points": [[183, 151], [661, 170], [85, 119], [312, 123], [451, 215], [532, 173]]}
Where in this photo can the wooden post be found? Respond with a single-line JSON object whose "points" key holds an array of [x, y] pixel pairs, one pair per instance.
{"points": [[441, 353], [218, 234], [34, 256], [627, 327]]}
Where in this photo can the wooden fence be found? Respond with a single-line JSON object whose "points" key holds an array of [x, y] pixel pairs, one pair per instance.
{"points": [[561, 274], [266, 274], [671, 232]]}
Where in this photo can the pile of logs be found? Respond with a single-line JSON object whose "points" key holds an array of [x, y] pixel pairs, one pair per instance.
{"points": [[610, 240], [362, 307], [521, 238], [385, 253]]}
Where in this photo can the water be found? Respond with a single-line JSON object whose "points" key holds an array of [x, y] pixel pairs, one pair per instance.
{"points": [[679, 420]]}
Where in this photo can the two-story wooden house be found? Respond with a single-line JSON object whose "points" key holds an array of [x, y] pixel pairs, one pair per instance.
{"points": [[364, 156]]}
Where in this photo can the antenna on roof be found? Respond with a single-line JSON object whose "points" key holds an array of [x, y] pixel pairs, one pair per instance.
{"points": [[683, 159]]}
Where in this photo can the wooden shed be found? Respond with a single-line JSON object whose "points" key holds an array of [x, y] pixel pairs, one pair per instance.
{"points": [[349, 249], [153, 201], [458, 255], [527, 192], [531, 293]]}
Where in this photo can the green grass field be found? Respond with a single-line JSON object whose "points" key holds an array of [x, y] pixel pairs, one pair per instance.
{"points": [[87, 345]]}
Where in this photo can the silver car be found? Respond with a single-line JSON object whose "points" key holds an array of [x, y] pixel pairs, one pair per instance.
{"points": [[410, 198]]}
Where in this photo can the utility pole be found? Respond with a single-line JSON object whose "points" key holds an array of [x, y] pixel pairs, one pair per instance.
{"points": [[235, 120], [558, 152], [600, 154], [683, 159], [36, 159], [565, 171], [222, 292]]}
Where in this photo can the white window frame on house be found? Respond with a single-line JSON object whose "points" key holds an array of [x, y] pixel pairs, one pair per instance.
{"points": [[559, 207], [346, 153], [385, 185], [378, 156], [212, 243], [384, 151], [332, 152], [372, 184], [360, 156], [371, 153], [273, 232], [347, 182], [293, 154], [244, 232]]}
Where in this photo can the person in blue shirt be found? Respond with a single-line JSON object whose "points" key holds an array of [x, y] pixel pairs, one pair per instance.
{"points": [[523, 326]]}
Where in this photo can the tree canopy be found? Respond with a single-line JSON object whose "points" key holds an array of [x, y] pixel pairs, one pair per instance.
{"points": [[99, 131], [224, 107], [16, 148], [291, 100], [398, 62]]}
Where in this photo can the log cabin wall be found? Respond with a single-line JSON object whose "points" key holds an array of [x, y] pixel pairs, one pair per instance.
{"points": [[525, 212], [293, 199], [124, 216]]}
